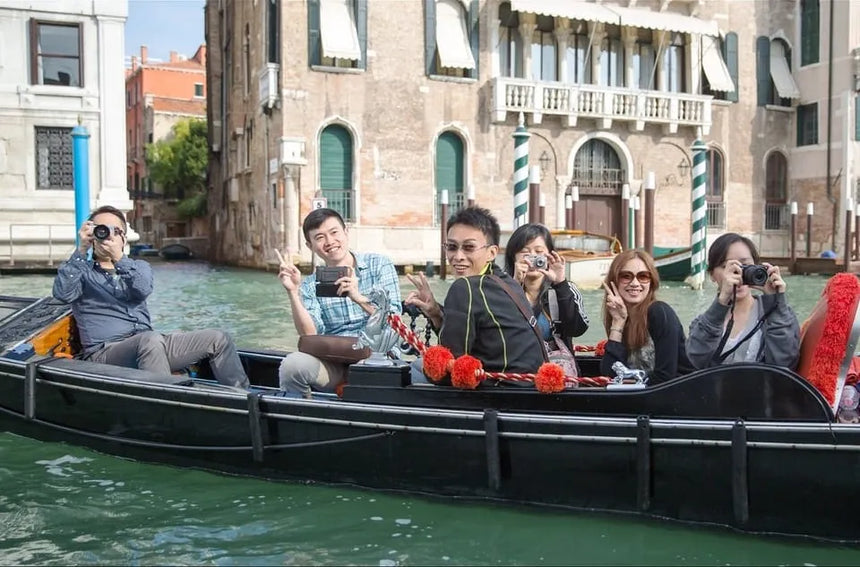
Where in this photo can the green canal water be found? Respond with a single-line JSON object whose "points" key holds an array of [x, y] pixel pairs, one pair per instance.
{"points": [[61, 504]]}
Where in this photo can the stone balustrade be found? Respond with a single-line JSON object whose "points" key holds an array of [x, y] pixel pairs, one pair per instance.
{"points": [[604, 105]]}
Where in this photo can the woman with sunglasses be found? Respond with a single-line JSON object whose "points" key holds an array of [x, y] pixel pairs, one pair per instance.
{"points": [[644, 333], [740, 326], [531, 259]]}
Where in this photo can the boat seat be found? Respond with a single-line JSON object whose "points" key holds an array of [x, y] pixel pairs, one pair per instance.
{"points": [[60, 338], [112, 371], [829, 337]]}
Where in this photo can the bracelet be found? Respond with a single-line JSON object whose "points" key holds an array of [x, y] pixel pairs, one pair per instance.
{"points": [[621, 330]]}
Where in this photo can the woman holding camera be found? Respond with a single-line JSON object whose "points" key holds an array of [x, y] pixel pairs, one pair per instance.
{"points": [[740, 326], [531, 259]]}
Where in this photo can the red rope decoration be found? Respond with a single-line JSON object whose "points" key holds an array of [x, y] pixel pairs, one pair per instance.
{"points": [[841, 293], [467, 372]]}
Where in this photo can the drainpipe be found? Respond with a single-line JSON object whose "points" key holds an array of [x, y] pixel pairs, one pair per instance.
{"points": [[830, 196]]}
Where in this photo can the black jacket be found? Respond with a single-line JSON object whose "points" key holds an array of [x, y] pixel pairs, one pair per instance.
{"points": [[670, 353], [482, 320], [572, 318]]}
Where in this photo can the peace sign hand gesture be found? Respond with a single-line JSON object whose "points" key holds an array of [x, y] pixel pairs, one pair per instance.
{"points": [[615, 305], [288, 273]]}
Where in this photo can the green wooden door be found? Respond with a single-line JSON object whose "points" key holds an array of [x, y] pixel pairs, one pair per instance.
{"points": [[336, 169], [449, 171]]}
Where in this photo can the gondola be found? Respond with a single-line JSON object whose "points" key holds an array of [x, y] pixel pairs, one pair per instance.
{"points": [[750, 446]]}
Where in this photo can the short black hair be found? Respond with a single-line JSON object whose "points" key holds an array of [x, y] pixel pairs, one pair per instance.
{"points": [[318, 216], [720, 249], [480, 218], [522, 236], [110, 210]]}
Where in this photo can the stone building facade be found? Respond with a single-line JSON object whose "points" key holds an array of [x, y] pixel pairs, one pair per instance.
{"points": [[61, 64], [379, 106]]}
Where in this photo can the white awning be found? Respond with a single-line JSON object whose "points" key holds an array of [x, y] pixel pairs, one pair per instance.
{"points": [[780, 73], [715, 68], [666, 21], [338, 31], [573, 9], [452, 39]]}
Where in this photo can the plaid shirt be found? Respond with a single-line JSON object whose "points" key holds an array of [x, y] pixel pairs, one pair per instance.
{"points": [[341, 315]]}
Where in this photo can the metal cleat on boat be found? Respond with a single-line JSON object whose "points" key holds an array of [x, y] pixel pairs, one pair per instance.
{"points": [[627, 378]]}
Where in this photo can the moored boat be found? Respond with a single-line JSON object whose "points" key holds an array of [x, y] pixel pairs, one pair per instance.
{"points": [[711, 447], [588, 255], [673, 264]]}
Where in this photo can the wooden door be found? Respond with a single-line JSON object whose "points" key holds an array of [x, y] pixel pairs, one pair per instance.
{"points": [[600, 214]]}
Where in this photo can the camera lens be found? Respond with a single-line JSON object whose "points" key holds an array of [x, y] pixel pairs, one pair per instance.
{"points": [[540, 262], [101, 232], [754, 275]]}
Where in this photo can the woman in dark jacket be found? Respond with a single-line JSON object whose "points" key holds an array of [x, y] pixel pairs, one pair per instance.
{"points": [[531, 260]]}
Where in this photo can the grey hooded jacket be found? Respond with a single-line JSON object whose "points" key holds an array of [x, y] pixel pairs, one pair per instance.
{"points": [[779, 342]]}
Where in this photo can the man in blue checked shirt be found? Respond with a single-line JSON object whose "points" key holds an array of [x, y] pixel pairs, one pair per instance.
{"points": [[327, 237]]}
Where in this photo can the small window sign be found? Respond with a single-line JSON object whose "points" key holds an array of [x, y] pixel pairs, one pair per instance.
{"points": [[319, 203]]}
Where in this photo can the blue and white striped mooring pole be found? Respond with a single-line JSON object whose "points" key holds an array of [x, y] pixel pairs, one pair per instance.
{"points": [[698, 240], [521, 173], [81, 173]]}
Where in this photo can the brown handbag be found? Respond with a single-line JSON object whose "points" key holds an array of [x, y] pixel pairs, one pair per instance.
{"points": [[333, 348]]}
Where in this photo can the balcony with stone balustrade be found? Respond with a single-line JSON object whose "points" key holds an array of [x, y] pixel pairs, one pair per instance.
{"points": [[603, 105]]}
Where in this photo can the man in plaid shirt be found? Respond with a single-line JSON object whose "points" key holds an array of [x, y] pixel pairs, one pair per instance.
{"points": [[327, 237]]}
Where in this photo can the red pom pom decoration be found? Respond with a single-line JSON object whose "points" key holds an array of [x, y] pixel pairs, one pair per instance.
{"points": [[438, 361], [600, 350], [549, 378], [467, 372]]}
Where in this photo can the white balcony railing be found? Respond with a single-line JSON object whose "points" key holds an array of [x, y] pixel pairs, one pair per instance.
{"points": [[603, 104]]}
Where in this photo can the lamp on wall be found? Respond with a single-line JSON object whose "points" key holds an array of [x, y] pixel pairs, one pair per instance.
{"points": [[544, 160], [683, 168]]}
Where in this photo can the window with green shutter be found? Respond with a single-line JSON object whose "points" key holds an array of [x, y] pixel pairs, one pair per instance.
{"points": [[450, 174], [807, 124], [857, 118], [809, 31], [762, 71], [357, 10], [730, 55], [335, 171], [459, 24]]}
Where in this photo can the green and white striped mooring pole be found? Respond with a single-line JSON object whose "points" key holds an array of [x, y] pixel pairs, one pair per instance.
{"points": [[521, 173], [698, 240]]}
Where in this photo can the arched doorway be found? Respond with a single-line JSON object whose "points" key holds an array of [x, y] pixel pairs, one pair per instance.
{"points": [[598, 173]]}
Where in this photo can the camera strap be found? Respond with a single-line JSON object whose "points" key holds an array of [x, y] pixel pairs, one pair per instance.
{"points": [[719, 358]]}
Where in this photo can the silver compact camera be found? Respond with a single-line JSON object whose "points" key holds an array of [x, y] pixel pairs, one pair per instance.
{"points": [[537, 261]]}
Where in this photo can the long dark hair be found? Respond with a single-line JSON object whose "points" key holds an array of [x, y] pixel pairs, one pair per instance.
{"points": [[518, 240], [636, 330]]}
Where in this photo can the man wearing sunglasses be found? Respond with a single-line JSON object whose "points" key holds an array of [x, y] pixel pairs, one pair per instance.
{"points": [[108, 294]]}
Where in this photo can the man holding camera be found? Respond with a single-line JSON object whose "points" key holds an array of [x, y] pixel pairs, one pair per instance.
{"points": [[332, 301], [108, 296]]}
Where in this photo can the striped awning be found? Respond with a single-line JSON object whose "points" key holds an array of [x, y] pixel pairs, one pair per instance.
{"points": [[666, 21], [338, 31], [715, 68], [452, 37], [780, 73], [573, 9]]}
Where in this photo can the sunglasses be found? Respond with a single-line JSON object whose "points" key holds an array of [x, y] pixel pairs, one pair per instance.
{"points": [[467, 248], [627, 277]]}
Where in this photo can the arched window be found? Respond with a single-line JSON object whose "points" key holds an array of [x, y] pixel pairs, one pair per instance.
{"points": [[450, 172], [776, 192], [715, 188], [335, 169], [510, 43]]}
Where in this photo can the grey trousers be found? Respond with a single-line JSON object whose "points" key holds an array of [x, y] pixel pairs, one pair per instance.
{"points": [[164, 354], [301, 373]]}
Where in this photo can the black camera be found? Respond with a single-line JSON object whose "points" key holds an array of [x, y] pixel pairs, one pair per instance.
{"points": [[102, 232], [326, 276], [754, 274], [538, 261]]}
